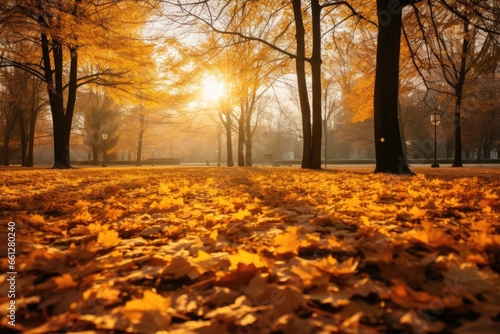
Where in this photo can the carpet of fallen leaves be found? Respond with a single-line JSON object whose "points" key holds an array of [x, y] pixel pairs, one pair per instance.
{"points": [[257, 250]]}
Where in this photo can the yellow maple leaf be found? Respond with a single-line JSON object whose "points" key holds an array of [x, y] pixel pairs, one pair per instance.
{"points": [[151, 301], [332, 266], [287, 242], [241, 214], [246, 258], [432, 236], [108, 238], [163, 188]]}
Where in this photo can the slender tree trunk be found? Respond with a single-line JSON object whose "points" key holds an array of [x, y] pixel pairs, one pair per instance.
{"points": [[22, 134], [31, 138], [248, 142], [389, 153], [317, 121], [229, 142], [34, 110], [142, 120], [241, 136], [70, 107], [305, 108], [457, 156]]}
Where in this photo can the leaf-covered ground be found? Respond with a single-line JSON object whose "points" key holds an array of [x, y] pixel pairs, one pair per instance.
{"points": [[257, 250]]}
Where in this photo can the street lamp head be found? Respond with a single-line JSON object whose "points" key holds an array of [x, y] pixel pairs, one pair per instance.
{"points": [[435, 118], [104, 136]]}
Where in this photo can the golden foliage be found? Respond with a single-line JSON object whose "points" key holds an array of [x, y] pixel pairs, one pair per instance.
{"points": [[263, 249]]}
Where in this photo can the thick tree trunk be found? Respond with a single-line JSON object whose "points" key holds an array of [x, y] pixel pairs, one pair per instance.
{"points": [[317, 120], [305, 108], [389, 153], [70, 106], [54, 81], [457, 158]]}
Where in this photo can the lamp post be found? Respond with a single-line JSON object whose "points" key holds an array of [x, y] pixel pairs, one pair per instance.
{"points": [[435, 119], [104, 155]]}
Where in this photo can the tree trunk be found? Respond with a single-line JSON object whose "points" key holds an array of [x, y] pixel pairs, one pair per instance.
{"points": [[54, 81], [31, 138], [248, 142], [22, 134], [487, 149], [229, 142], [457, 159], [305, 108], [249, 151], [34, 110], [70, 107], [142, 120], [317, 120], [241, 137], [389, 153]]}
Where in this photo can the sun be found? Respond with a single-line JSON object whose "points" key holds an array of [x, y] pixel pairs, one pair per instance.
{"points": [[213, 89]]}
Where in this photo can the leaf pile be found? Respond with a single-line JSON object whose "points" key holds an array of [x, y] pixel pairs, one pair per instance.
{"points": [[260, 250]]}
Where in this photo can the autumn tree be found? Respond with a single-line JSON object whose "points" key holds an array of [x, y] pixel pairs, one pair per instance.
{"points": [[19, 115], [9, 112], [295, 31], [100, 116], [144, 116], [246, 70], [389, 152], [67, 34], [451, 46]]}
